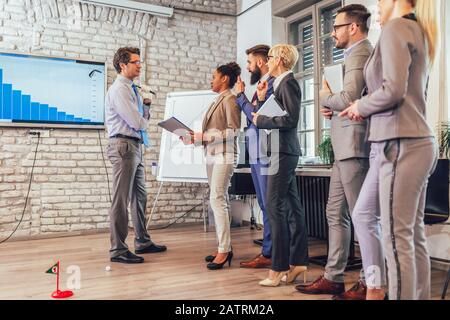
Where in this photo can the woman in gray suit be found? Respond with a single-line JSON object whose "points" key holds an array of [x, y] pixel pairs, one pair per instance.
{"points": [[404, 151], [286, 215]]}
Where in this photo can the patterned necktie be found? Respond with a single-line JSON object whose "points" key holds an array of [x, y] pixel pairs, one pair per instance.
{"points": [[143, 133]]}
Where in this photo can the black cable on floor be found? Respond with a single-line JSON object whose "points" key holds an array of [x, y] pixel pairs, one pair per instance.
{"points": [[172, 223], [109, 190], [29, 187], [104, 163]]}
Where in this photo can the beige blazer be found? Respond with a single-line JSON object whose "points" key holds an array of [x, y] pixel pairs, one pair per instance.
{"points": [[221, 125], [349, 137]]}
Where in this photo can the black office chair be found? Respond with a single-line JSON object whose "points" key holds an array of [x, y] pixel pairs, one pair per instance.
{"points": [[437, 204]]}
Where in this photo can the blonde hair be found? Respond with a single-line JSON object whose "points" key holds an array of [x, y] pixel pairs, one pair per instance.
{"points": [[287, 53], [426, 15]]}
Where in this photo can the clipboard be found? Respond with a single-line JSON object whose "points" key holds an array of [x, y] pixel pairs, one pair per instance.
{"points": [[175, 126], [335, 77]]}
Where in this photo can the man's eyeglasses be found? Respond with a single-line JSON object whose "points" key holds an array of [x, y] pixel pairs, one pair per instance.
{"points": [[337, 26], [137, 62]]}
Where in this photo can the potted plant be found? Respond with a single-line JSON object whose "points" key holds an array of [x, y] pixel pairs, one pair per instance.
{"points": [[325, 150]]}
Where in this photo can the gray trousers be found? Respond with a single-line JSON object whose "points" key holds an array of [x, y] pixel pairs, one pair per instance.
{"points": [[389, 213], [128, 188], [219, 169], [346, 180]]}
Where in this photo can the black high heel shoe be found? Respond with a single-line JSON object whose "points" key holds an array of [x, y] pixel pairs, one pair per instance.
{"points": [[217, 266], [210, 258]]}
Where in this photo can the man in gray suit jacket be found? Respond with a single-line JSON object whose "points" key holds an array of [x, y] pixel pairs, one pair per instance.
{"points": [[351, 153]]}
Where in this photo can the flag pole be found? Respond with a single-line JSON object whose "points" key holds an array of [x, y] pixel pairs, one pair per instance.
{"points": [[60, 294], [57, 279]]}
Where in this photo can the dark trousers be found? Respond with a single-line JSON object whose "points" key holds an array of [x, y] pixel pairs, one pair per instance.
{"points": [[286, 215]]}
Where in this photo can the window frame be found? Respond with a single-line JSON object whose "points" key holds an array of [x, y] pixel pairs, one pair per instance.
{"points": [[313, 11]]}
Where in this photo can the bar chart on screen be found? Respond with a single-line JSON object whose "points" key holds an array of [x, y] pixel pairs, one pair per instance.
{"points": [[44, 90]]}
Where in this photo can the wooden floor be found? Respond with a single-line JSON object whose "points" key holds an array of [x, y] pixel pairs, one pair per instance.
{"points": [[179, 273]]}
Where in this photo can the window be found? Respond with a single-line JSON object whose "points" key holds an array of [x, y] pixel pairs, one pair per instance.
{"points": [[310, 31]]}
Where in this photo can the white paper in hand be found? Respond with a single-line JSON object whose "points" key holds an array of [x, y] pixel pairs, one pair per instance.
{"points": [[335, 77], [271, 108]]}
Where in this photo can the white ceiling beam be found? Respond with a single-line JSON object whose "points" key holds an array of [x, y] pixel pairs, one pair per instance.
{"points": [[134, 6]]}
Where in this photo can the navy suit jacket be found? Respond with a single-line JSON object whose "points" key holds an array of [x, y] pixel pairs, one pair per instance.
{"points": [[247, 107]]}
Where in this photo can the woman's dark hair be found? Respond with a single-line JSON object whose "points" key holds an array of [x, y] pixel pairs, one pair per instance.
{"points": [[232, 71], [123, 55]]}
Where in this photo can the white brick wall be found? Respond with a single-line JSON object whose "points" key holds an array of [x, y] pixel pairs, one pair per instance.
{"points": [[69, 190]]}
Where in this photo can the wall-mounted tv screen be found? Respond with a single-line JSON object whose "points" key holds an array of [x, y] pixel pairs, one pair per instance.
{"points": [[37, 91]]}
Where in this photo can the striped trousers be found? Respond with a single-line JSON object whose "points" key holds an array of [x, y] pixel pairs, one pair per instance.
{"points": [[388, 217]]}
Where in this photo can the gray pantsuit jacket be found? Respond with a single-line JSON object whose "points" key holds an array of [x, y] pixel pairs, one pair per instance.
{"points": [[348, 138]]}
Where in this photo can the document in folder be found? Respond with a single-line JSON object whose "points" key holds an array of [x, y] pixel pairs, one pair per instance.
{"points": [[271, 108], [335, 77], [175, 126]]}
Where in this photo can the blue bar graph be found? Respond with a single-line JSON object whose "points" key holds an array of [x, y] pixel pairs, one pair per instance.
{"points": [[1, 94], [7, 101], [17, 105], [61, 116], [34, 111], [26, 107], [43, 112], [52, 114]]}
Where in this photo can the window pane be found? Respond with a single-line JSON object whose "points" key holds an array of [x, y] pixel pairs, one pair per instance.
{"points": [[307, 144], [328, 14], [307, 117], [330, 54], [307, 58], [307, 32], [301, 34], [301, 31], [307, 87]]}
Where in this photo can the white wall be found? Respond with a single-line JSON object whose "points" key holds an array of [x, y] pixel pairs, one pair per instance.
{"points": [[253, 27]]}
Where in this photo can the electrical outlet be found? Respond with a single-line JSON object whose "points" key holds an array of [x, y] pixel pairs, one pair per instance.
{"points": [[43, 133]]}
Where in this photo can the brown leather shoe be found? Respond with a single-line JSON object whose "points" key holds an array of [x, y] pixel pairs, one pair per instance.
{"points": [[258, 262], [322, 286], [357, 292]]}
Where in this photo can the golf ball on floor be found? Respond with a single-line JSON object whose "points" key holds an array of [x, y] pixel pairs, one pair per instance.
{"points": [[108, 268]]}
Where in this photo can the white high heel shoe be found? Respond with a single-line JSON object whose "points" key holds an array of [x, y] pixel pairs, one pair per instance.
{"points": [[295, 272], [273, 282]]}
